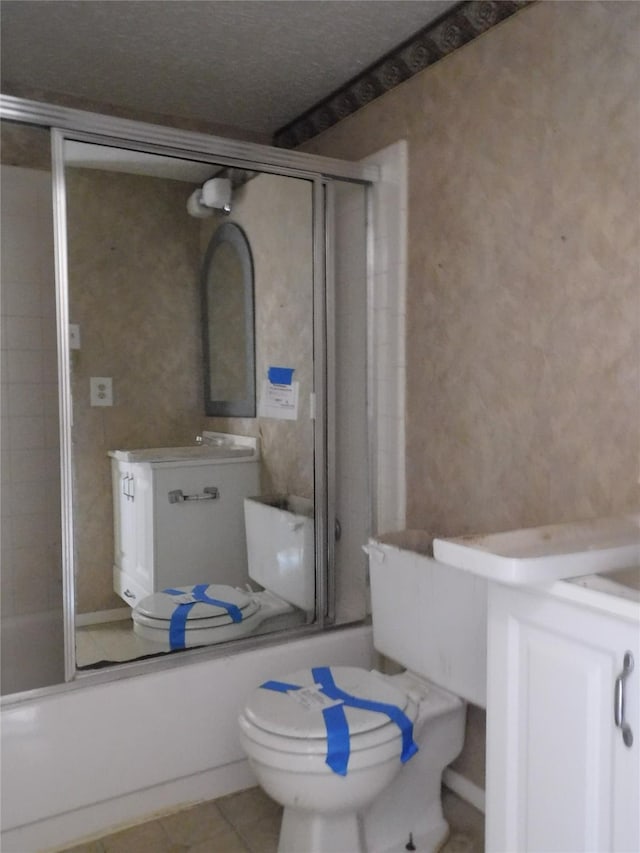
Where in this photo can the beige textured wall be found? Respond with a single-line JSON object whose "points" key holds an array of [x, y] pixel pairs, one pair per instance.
{"points": [[523, 344], [283, 271], [133, 275], [524, 257]]}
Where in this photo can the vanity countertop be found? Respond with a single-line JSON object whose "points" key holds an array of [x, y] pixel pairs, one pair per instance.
{"points": [[196, 452], [541, 555], [214, 446]]}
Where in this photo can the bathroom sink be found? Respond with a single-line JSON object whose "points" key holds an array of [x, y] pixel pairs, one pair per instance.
{"points": [[543, 554]]}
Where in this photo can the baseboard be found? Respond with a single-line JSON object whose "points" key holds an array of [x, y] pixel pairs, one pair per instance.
{"points": [[465, 789], [92, 822], [100, 616]]}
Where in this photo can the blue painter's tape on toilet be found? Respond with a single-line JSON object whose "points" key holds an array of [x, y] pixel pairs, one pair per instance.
{"points": [[335, 720], [178, 623]]}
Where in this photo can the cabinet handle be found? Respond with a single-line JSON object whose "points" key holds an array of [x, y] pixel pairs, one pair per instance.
{"points": [[128, 487], [210, 493], [619, 700]]}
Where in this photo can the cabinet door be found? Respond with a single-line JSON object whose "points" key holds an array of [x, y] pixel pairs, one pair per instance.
{"points": [[141, 567], [133, 530], [559, 777], [123, 516]]}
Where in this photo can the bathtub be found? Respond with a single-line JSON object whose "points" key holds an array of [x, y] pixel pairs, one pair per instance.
{"points": [[81, 761], [32, 651]]}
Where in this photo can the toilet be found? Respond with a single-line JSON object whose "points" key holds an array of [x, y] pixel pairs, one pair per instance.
{"points": [[280, 556], [356, 757]]}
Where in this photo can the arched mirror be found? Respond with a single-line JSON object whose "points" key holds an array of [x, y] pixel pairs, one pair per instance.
{"points": [[228, 342]]}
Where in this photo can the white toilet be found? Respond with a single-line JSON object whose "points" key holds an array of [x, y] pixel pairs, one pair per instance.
{"points": [[336, 746], [280, 556]]}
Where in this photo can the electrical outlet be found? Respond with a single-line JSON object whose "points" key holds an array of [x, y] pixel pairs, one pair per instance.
{"points": [[101, 391]]}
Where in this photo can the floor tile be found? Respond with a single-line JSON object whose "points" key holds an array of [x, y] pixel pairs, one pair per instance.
{"points": [[199, 823], [261, 836], [145, 838], [228, 842], [249, 822], [248, 807], [467, 825], [89, 847]]}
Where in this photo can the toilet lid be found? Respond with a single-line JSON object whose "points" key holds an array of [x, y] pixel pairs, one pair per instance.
{"points": [[160, 606], [298, 713]]}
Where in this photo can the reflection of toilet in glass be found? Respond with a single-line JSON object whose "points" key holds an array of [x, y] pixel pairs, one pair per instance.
{"points": [[336, 746], [280, 552]]}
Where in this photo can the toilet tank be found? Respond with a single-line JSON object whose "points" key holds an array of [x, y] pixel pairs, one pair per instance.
{"points": [[281, 547], [427, 616]]}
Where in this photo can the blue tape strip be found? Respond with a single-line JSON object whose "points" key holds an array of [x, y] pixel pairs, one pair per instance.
{"points": [[322, 675], [178, 622], [338, 737], [280, 686], [280, 375]]}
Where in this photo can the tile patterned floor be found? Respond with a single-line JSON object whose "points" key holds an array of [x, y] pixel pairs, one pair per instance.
{"points": [[249, 822]]}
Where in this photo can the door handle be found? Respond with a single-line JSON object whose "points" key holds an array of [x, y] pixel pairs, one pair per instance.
{"points": [[619, 699]]}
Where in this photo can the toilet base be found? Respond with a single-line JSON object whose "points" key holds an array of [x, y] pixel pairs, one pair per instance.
{"points": [[313, 833], [316, 833]]}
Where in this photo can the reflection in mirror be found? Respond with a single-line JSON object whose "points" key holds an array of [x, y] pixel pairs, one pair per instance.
{"points": [[227, 324], [180, 514]]}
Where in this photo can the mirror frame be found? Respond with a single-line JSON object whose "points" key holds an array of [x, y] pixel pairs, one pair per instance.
{"points": [[245, 407]]}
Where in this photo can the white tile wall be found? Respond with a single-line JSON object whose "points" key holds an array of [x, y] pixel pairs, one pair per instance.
{"points": [[387, 315], [31, 572], [370, 372], [352, 446]]}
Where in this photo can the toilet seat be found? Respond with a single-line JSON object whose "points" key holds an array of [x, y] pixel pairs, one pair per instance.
{"points": [[152, 616], [297, 714], [204, 623], [288, 730], [156, 610]]}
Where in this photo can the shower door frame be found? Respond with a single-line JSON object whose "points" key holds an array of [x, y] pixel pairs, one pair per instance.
{"points": [[65, 123]]}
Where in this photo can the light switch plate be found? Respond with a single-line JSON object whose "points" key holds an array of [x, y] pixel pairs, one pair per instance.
{"points": [[74, 336]]}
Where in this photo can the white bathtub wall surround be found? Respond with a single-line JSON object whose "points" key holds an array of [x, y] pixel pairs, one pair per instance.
{"points": [[139, 733], [31, 560]]}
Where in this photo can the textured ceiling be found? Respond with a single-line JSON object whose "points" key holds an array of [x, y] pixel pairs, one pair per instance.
{"points": [[250, 64]]}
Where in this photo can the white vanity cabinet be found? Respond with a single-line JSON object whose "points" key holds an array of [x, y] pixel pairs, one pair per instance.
{"points": [[179, 522], [133, 525], [559, 774]]}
